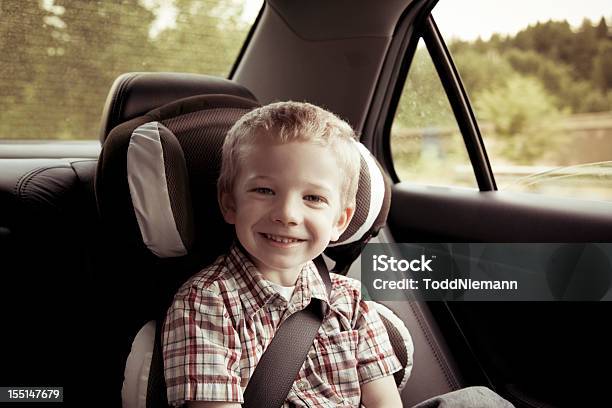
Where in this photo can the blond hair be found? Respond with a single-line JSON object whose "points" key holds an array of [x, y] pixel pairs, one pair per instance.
{"points": [[285, 122]]}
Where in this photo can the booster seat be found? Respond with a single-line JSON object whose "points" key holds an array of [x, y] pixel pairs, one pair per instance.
{"points": [[156, 192]]}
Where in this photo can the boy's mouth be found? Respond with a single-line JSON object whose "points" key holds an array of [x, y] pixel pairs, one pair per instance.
{"points": [[280, 239]]}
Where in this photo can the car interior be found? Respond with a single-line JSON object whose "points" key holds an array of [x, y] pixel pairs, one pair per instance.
{"points": [[82, 278]]}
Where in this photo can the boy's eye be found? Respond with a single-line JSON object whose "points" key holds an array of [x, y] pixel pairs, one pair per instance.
{"points": [[315, 198], [263, 190]]}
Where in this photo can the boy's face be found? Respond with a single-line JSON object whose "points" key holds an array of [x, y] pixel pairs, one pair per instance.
{"points": [[286, 206]]}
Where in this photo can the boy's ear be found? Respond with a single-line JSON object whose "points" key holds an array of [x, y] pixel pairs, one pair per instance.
{"points": [[228, 207], [342, 223]]}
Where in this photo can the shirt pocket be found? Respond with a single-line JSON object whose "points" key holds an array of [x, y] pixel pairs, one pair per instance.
{"points": [[336, 367]]}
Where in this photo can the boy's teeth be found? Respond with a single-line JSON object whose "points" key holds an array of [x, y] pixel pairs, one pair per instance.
{"points": [[281, 239]]}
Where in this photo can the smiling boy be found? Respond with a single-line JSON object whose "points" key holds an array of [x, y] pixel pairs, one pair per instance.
{"points": [[288, 182]]}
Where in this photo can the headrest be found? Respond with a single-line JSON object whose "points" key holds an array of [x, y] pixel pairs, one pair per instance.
{"points": [[372, 207], [156, 182], [136, 93], [154, 170]]}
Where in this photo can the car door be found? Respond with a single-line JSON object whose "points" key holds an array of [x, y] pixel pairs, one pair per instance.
{"points": [[535, 353]]}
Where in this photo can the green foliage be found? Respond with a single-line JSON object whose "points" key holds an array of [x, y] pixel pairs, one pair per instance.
{"points": [[525, 84], [602, 67], [482, 70], [523, 115], [206, 38], [570, 94], [423, 103], [23, 58], [553, 39], [426, 142], [574, 66], [60, 58], [98, 43]]}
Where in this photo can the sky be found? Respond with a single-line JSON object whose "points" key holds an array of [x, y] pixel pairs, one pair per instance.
{"points": [[469, 19], [167, 12], [464, 19]]}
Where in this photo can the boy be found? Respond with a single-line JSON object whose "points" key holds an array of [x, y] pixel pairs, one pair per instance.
{"points": [[288, 182]]}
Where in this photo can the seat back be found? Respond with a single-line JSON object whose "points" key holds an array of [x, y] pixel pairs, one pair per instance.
{"points": [[135, 284], [47, 224]]}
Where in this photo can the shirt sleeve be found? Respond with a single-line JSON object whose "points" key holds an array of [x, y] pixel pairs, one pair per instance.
{"points": [[201, 349], [376, 358]]}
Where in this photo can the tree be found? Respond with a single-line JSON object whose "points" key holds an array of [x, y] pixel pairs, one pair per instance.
{"points": [[101, 40], [553, 39], [206, 38], [585, 49], [602, 67], [569, 93], [524, 117], [60, 57], [481, 71], [25, 50], [601, 31], [423, 103]]}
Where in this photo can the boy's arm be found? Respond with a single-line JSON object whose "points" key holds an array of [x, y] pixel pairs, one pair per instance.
{"points": [[380, 393], [376, 359]]}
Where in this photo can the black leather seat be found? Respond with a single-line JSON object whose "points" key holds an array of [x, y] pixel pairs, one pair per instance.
{"points": [[48, 227], [137, 282]]}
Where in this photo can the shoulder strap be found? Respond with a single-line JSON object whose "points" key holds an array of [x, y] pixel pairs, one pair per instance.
{"points": [[276, 371]]}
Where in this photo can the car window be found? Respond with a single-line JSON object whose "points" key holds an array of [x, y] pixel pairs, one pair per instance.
{"points": [[59, 58], [426, 143], [538, 78]]}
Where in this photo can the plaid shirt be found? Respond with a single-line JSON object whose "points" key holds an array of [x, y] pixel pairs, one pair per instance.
{"points": [[224, 317]]}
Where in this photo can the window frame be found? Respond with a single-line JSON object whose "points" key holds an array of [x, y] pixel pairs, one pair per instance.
{"points": [[377, 130], [460, 104]]}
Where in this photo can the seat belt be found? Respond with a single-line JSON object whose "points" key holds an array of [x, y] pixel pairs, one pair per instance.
{"points": [[280, 363]]}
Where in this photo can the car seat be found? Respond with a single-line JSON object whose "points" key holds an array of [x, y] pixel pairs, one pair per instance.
{"points": [[156, 194]]}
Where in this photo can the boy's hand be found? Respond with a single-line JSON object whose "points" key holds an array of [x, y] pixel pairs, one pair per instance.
{"points": [[381, 393]]}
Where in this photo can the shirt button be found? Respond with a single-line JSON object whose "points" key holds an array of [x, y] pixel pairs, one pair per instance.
{"points": [[302, 385]]}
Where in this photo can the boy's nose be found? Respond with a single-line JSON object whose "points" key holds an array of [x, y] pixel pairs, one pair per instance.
{"points": [[286, 212]]}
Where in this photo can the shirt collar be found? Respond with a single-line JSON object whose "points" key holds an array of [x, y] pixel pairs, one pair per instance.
{"points": [[255, 291]]}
